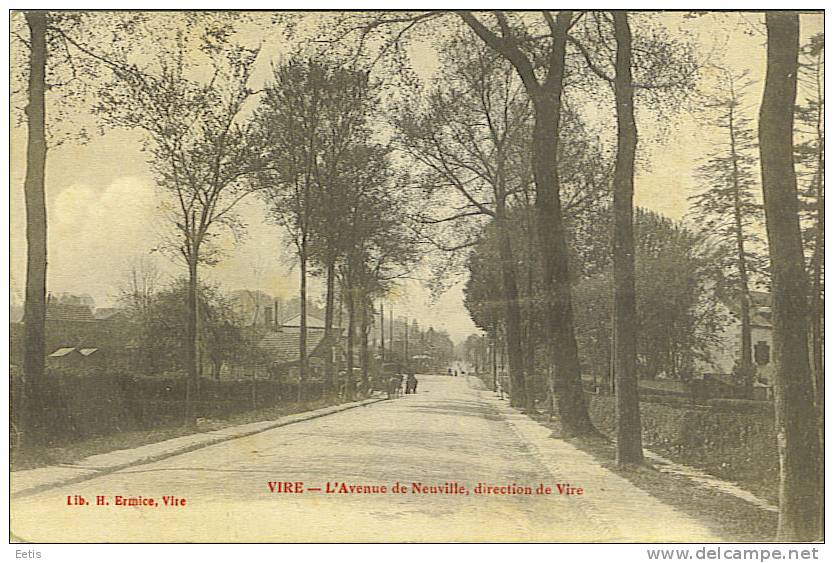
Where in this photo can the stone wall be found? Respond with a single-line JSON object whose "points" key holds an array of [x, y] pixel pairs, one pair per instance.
{"points": [[734, 440]]}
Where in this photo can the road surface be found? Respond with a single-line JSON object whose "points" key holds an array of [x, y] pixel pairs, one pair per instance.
{"points": [[438, 445]]}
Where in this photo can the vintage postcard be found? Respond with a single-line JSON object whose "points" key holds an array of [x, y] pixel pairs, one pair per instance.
{"points": [[417, 276]]}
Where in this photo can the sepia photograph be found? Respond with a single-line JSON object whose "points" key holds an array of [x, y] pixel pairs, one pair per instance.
{"points": [[417, 276]]}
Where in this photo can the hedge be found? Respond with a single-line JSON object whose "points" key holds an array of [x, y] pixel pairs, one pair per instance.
{"points": [[98, 404]]}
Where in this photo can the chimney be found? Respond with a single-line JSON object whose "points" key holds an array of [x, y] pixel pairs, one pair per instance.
{"points": [[268, 317], [276, 314]]}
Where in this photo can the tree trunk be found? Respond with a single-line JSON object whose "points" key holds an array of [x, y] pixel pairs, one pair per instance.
{"points": [[741, 260], [302, 336], [192, 342], [328, 325], [561, 338], [531, 321], [518, 393], [363, 343], [382, 331], [340, 308], [391, 333], [37, 412], [351, 333], [800, 484], [629, 441], [494, 357]]}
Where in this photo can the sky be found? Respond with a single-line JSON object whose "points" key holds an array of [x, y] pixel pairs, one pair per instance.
{"points": [[102, 200]]}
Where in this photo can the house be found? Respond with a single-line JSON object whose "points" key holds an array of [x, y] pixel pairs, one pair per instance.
{"points": [[724, 356], [281, 350], [86, 337]]}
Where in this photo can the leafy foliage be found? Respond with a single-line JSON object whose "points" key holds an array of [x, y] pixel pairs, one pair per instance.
{"points": [[678, 319], [810, 152], [727, 211], [161, 320]]}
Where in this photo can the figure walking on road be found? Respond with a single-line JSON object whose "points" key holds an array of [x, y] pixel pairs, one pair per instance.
{"points": [[411, 384]]}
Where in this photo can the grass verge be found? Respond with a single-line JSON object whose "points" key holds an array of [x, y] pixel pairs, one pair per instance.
{"points": [[729, 517], [31, 458]]}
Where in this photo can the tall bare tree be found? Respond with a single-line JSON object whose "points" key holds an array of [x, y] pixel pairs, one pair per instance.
{"points": [[469, 138], [727, 208], [546, 98], [347, 112], [535, 45], [629, 441], [53, 65], [202, 151], [313, 111], [811, 160], [662, 72], [800, 462], [37, 408], [378, 247]]}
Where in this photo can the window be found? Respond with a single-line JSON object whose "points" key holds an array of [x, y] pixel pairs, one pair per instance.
{"points": [[761, 353]]}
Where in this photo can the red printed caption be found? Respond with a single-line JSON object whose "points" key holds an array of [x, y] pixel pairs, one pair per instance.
{"points": [[451, 488]]}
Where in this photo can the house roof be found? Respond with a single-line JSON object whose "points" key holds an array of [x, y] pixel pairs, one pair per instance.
{"points": [[312, 322], [61, 352], [283, 347], [760, 311], [105, 313], [88, 351], [65, 312]]}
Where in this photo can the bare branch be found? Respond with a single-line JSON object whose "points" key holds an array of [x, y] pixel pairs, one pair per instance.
{"points": [[503, 45]]}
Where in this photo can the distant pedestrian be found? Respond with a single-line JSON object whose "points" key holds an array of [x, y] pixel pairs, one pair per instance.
{"points": [[456, 373], [411, 384]]}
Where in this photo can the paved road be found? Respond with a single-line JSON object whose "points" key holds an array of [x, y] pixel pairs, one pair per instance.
{"points": [[450, 432]]}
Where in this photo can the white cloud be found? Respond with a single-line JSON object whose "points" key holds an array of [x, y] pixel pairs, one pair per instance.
{"points": [[92, 235], [95, 233]]}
